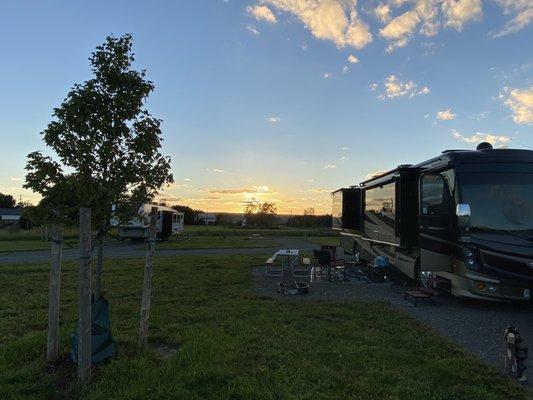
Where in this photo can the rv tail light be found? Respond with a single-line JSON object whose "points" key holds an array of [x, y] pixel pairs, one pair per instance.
{"points": [[481, 286]]}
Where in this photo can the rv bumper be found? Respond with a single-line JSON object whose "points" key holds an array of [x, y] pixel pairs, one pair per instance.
{"points": [[489, 288]]}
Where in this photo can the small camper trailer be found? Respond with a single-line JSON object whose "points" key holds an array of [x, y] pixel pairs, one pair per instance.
{"points": [[464, 217], [169, 222]]}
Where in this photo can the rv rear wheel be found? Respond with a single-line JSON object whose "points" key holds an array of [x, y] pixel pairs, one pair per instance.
{"points": [[423, 278]]}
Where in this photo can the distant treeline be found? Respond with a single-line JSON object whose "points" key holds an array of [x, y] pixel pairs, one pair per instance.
{"points": [[190, 214], [309, 221]]}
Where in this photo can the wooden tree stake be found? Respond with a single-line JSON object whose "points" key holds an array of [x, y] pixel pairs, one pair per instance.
{"points": [[84, 316], [147, 282], [52, 342]]}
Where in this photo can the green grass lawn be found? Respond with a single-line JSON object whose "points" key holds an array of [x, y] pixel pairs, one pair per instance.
{"points": [[232, 344], [210, 230], [11, 233], [217, 242], [31, 245], [325, 240]]}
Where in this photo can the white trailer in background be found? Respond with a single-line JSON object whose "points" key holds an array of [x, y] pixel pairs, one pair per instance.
{"points": [[169, 222]]}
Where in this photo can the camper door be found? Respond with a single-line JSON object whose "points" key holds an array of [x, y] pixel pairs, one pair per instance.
{"points": [[435, 223]]}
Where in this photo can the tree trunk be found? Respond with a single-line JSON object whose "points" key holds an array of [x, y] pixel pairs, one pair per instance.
{"points": [[84, 308], [147, 282], [99, 263], [52, 343]]}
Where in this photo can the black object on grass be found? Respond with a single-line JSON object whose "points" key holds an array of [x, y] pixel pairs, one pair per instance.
{"points": [[103, 346]]}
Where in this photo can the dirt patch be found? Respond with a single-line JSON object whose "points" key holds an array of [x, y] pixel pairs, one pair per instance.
{"points": [[64, 369]]}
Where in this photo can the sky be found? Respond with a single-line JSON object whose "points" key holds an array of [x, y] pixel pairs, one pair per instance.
{"points": [[280, 100]]}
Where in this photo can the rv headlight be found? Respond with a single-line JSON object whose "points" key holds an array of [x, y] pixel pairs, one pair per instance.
{"points": [[470, 258]]}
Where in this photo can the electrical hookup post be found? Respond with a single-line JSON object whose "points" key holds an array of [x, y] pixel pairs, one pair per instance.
{"points": [[515, 355]]}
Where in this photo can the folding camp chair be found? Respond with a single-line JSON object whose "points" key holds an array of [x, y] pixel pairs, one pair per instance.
{"points": [[333, 252], [325, 264]]}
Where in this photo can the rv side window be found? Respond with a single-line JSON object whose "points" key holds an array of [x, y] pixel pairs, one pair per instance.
{"points": [[174, 218], [435, 197]]}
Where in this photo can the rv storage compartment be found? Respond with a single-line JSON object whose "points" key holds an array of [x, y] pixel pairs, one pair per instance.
{"points": [[347, 210]]}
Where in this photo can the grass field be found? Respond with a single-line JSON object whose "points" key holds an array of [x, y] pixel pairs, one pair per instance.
{"points": [[199, 237], [232, 344], [217, 242], [325, 240], [203, 230]]}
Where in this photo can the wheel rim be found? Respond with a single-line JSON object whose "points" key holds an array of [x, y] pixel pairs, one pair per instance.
{"points": [[425, 278]]}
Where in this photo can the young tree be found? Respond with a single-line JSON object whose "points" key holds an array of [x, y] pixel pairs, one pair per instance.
{"points": [[110, 144]]}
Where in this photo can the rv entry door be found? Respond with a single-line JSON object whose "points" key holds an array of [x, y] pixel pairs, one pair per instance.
{"points": [[435, 223]]}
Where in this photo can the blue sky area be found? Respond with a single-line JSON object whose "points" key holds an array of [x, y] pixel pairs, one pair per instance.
{"points": [[281, 100]]}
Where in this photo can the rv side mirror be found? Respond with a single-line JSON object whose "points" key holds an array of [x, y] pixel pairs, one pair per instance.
{"points": [[463, 215]]}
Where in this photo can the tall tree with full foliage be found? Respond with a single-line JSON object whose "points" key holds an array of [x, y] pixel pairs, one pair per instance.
{"points": [[107, 146], [7, 201]]}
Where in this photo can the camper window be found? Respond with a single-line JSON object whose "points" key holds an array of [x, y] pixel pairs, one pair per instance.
{"points": [[435, 197]]}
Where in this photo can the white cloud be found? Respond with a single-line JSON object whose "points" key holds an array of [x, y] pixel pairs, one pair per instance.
{"points": [[479, 116], [424, 90], [330, 166], [273, 119], [252, 30], [327, 75], [446, 115], [187, 179], [522, 12], [304, 46], [478, 137], [458, 12], [15, 179], [520, 101], [344, 148], [427, 17], [215, 170], [262, 13], [352, 59], [373, 174], [383, 12], [396, 88], [333, 20]]}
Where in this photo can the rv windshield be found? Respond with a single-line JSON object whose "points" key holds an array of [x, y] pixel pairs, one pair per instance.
{"points": [[499, 201]]}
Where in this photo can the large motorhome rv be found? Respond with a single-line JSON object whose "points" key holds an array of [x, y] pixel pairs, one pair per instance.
{"points": [[169, 221], [464, 217]]}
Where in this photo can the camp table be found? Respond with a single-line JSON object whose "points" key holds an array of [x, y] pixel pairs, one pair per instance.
{"points": [[289, 259]]}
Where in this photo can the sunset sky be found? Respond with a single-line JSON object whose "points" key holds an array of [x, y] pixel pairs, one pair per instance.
{"points": [[281, 100]]}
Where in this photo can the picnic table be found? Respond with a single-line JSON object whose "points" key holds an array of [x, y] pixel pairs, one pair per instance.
{"points": [[289, 259]]}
